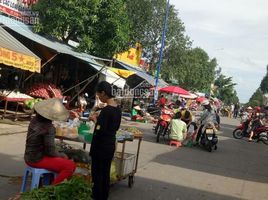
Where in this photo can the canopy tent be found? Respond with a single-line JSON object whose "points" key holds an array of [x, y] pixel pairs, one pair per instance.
{"points": [[142, 74], [174, 90], [15, 54], [190, 96], [111, 77], [55, 45]]}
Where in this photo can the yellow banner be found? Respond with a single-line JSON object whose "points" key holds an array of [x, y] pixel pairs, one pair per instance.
{"points": [[121, 72], [131, 57], [19, 60]]}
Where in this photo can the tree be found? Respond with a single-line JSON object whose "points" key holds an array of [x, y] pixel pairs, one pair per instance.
{"points": [[101, 27], [147, 17], [264, 82], [257, 98], [225, 89], [193, 69], [112, 29]]}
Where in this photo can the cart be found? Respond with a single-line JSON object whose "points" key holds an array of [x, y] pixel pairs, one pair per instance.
{"points": [[126, 163]]}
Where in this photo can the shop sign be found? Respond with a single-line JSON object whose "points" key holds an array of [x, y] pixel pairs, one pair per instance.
{"points": [[19, 60], [21, 9], [131, 57]]}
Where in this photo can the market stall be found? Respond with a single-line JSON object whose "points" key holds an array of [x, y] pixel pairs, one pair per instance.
{"points": [[126, 164]]}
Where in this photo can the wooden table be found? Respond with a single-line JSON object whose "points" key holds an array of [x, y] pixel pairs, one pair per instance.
{"points": [[19, 101]]}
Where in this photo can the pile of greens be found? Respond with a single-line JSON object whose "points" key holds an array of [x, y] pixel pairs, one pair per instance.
{"points": [[76, 189]]}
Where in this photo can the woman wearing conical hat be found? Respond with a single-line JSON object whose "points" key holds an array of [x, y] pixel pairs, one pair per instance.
{"points": [[40, 151]]}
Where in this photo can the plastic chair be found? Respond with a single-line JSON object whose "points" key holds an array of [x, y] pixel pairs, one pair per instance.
{"points": [[175, 142], [37, 173]]}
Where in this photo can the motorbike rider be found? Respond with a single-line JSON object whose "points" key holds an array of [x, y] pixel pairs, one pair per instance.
{"points": [[186, 115], [209, 116], [246, 118], [256, 122]]}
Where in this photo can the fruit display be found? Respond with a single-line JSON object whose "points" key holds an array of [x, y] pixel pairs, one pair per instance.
{"points": [[30, 103], [134, 130], [45, 91]]}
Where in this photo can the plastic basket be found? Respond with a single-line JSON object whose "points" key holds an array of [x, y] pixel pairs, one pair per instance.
{"points": [[128, 164]]}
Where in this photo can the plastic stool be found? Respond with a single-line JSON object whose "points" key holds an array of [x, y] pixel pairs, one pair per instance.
{"points": [[37, 173], [176, 143]]}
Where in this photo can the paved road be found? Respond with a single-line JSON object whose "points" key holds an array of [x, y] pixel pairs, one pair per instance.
{"points": [[237, 170]]}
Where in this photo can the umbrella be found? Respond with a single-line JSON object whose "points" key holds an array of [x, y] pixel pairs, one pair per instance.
{"points": [[201, 99], [174, 89]]}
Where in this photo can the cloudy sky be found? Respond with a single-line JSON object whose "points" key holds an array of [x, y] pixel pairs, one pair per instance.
{"points": [[233, 31]]}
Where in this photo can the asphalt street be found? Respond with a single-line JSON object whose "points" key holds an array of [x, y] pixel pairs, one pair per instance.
{"points": [[237, 170]]}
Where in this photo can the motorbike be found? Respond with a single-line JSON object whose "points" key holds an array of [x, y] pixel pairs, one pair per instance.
{"points": [[209, 138], [260, 133], [163, 123]]}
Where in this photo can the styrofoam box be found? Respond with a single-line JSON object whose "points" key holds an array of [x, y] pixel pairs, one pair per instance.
{"points": [[128, 164]]}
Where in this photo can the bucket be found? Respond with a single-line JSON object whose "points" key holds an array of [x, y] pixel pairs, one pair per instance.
{"points": [[83, 129], [88, 137]]}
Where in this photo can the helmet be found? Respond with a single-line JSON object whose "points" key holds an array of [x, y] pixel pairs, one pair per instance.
{"points": [[205, 103], [257, 108], [249, 108]]}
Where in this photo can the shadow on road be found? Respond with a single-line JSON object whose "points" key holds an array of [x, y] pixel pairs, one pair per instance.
{"points": [[149, 189], [234, 158], [11, 173]]}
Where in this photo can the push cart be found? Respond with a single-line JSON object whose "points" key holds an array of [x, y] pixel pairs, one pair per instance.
{"points": [[126, 163]]}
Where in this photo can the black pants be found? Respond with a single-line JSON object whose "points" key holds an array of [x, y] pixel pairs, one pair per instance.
{"points": [[100, 169], [199, 133]]}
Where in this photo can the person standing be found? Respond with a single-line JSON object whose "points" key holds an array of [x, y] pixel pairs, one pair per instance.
{"points": [[40, 151], [103, 142], [236, 110]]}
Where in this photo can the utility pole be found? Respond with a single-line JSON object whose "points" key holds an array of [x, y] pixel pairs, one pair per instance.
{"points": [[161, 54]]}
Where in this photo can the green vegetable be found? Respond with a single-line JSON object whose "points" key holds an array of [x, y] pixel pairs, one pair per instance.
{"points": [[76, 189]]}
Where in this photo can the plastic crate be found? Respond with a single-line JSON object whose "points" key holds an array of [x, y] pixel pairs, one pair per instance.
{"points": [[128, 164]]}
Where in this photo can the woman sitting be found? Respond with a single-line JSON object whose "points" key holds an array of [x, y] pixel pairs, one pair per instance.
{"points": [[178, 128], [135, 114], [40, 149]]}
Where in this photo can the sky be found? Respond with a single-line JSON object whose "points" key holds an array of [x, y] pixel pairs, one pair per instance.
{"points": [[235, 32]]}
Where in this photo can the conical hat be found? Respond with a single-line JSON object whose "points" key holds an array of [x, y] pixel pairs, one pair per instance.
{"points": [[52, 109]]}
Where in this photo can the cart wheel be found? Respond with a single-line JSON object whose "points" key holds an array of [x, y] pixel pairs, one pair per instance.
{"points": [[130, 181]]}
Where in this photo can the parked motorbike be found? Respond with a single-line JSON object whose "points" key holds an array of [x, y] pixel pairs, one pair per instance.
{"points": [[163, 123], [260, 133], [209, 138]]}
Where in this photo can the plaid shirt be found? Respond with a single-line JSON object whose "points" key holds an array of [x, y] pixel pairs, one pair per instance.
{"points": [[40, 141]]}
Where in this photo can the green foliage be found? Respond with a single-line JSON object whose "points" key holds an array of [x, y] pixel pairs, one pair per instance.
{"points": [[112, 29], [100, 26], [147, 17], [193, 69], [264, 83], [257, 98], [225, 89], [75, 189]]}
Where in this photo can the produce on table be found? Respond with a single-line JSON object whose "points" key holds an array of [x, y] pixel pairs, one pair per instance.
{"points": [[76, 189], [113, 175], [134, 130], [45, 91], [30, 103], [78, 155]]}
